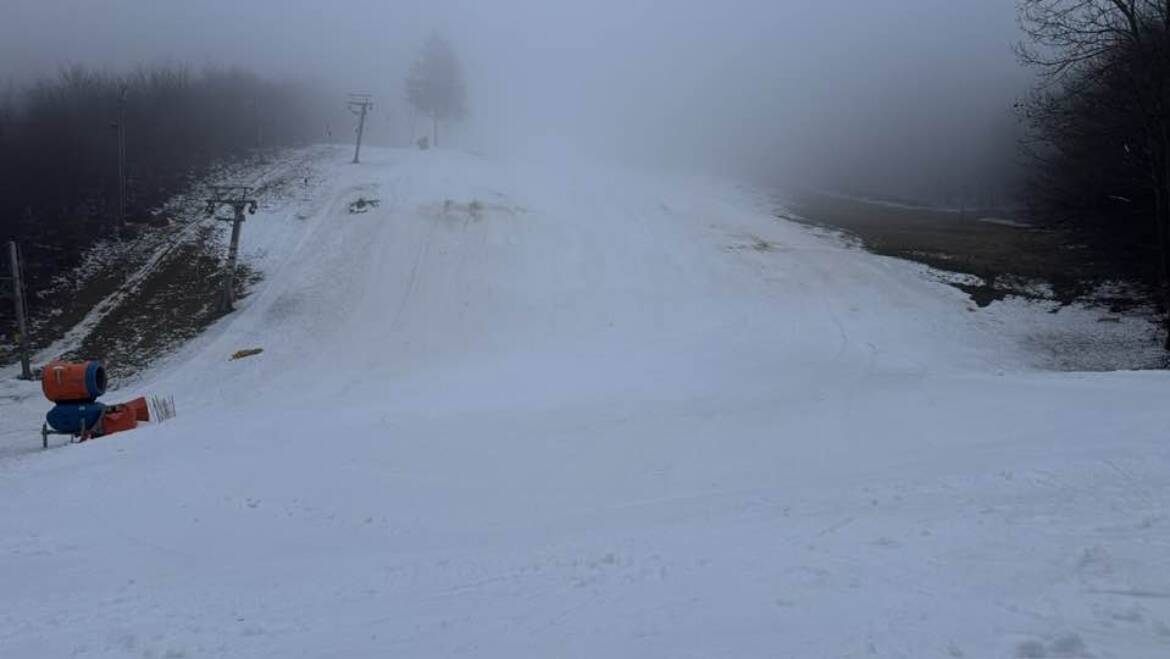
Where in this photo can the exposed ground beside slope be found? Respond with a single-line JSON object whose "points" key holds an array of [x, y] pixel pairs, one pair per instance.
{"points": [[131, 302], [994, 259], [999, 253], [175, 303]]}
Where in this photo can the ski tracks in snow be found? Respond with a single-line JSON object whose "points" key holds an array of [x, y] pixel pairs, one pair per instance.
{"points": [[635, 418]]}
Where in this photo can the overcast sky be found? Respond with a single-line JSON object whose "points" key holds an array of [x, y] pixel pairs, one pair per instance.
{"points": [[858, 88]]}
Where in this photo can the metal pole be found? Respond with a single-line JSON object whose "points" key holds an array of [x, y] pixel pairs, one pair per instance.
{"points": [[359, 104], [235, 196], [21, 320], [259, 127], [122, 162], [229, 278], [361, 128]]}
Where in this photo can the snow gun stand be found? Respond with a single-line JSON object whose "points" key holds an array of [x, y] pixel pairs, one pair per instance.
{"points": [[74, 437]]}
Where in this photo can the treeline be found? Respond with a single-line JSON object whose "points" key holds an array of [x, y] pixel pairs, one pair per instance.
{"points": [[59, 147], [1100, 129]]}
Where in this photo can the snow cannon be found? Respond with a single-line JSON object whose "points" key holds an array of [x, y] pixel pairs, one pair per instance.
{"points": [[75, 387], [65, 382]]}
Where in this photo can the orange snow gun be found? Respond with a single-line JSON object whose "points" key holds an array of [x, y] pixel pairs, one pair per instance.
{"points": [[75, 387], [65, 382]]}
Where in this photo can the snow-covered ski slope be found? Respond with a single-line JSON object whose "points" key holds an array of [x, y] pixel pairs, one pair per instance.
{"points": [[518, 410]]}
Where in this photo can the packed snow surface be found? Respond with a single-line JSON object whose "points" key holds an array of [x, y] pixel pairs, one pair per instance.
{"points": [[524, 410]]}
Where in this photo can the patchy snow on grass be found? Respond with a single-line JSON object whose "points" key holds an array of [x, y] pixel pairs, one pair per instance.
{"points": [[1005, 222]]}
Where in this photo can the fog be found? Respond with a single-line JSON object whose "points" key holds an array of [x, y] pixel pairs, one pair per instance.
{"points": [[906, 98]]}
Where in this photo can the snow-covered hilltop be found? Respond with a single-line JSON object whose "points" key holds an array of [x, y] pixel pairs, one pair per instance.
{"points": [[520, 410]]}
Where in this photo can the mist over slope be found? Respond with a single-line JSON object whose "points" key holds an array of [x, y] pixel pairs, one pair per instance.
{"points": [[910, 98]]}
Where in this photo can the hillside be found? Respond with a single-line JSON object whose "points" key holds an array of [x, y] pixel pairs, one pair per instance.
{"points": [[518, 409]]}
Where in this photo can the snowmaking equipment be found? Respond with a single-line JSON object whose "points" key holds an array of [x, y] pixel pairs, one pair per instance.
{"points": [[74, 387]]}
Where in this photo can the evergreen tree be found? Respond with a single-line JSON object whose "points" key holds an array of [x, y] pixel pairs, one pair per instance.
{"points": [[434, 86]]}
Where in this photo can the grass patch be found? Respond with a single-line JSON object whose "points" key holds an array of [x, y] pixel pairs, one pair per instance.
{"points": [[1002, 255], [178, 300]]}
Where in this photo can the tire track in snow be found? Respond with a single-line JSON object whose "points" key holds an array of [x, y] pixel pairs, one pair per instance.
{"points": [[412, 280]]}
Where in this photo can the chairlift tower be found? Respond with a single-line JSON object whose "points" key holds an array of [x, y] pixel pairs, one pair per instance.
{"points": [[360, 105], [238, 197]]}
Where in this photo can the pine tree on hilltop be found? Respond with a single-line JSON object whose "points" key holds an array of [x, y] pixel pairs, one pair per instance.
{"points": [[434, 86]]}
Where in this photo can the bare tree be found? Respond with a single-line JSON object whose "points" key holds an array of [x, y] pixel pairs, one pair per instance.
{"points": [[58, 183], [1112, 54], [434, 86]]}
